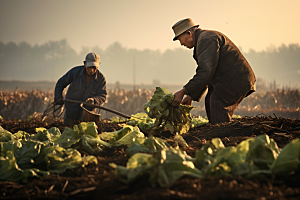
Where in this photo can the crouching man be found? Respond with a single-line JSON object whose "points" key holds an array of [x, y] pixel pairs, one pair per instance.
{"points": [[86, 83], [222, 69]]}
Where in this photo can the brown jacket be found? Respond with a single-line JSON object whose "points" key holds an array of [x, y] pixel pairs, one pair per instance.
{"points": [[220, 65]]}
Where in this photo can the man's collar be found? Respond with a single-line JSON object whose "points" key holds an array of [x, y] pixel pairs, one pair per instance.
{"points": [[95, 76], [197, 33]]}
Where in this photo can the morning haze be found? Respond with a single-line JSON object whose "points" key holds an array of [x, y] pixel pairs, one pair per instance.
{"points": [[42, 40]]}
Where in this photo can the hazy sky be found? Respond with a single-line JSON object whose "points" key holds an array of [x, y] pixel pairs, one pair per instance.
{"points": [[256, 24]]}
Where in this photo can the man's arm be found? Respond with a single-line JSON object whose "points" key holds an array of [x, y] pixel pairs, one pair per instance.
{"points": [[63, 82], [101, 94], [207, 56]]}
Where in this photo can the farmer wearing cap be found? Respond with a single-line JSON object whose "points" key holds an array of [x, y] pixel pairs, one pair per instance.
{"points": [[222, 69], [86, 83]]}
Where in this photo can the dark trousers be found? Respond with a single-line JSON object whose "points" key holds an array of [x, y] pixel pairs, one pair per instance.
{"points": [[217, 110]]}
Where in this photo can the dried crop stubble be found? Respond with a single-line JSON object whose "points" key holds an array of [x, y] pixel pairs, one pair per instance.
{"points": [[21, 104]]}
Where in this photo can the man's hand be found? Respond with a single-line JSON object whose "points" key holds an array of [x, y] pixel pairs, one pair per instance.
{"points": [[188, 100], [178, 98], [59, 101], [90, 100]]}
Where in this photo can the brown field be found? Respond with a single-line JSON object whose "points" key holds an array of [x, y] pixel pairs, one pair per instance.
{"points": [[99, 182]]}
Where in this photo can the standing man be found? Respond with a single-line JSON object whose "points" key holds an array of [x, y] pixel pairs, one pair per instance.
{"points": [[222, 69], [87, 84]]}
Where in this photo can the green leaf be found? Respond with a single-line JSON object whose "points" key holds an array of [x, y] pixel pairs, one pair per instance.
{"points": [[26, 154], [116, 119], [125, 136], [116, 135], [68, 138], [59, 159], [5, 135], [89, 159], [142, 120], [86, 128], [198, 121], [9, 146], [22, 135], [43, 134], [288, 159], [148, 145], [10, 171], [262, 151], [163, 168]]}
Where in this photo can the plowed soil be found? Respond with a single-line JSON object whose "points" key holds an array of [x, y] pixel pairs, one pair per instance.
{"points": [[99, 182]]}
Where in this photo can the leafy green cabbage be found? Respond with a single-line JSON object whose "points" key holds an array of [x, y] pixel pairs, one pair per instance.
{"points": [[149, 145], [252, 157], [125, 136], [162, 168], [198, 121], [288, 160], [23, 155], [142, 120], [175, 119]]}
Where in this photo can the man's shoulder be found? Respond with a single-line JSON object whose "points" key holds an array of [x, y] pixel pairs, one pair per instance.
{"points": [[209, 34], [99, 72], [100, 75], [78, 68]]}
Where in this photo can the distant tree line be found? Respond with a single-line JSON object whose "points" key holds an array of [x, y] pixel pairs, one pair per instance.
{"points": [[280, 67], [274, 67]]}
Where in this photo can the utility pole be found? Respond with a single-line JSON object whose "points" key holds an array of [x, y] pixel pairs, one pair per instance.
{"points": [[134, 72]]}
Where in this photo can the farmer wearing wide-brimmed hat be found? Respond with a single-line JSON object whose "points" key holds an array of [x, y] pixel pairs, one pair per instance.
{"points": [[222, 69], [86, 83]]}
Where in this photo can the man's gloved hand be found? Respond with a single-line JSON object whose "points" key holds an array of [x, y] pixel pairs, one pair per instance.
{"points": [[90, 100], [59, 101]]}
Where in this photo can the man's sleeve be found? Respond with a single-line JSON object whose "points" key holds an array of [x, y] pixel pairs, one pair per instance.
{"points": [[207, 55], [101, 92], [63, 82]]}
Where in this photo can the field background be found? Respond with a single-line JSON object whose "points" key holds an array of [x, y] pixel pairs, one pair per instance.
{"points": [[21, 99]]}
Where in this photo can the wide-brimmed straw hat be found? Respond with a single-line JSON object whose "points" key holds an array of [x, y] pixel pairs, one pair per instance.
{"points": [[182, 26]]}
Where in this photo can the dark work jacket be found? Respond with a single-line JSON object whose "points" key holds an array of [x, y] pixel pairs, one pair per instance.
{"points": [[79, 90], [222, 66]]}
